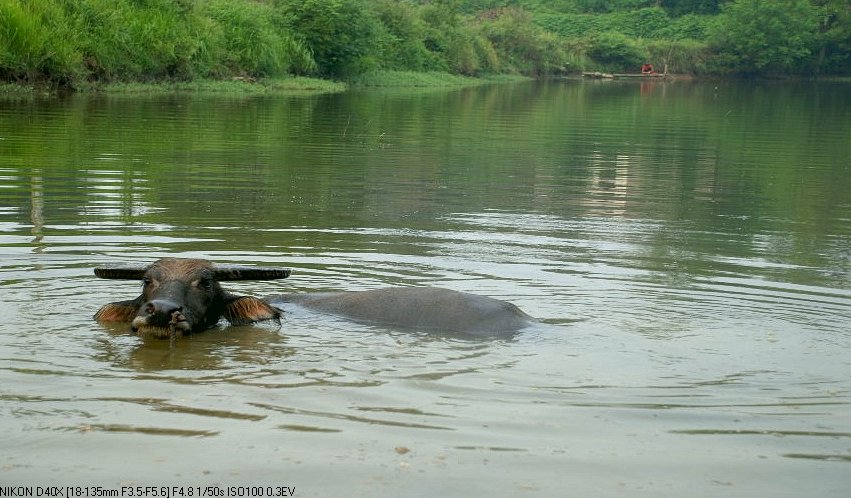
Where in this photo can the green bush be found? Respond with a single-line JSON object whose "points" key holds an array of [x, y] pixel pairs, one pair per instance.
{"points": [[678, 8], [617, 52], [459, 47], [342, 35], [464, 51], [571, 25], [402, 40], [643, 23], [524, 46], [687, 27]]}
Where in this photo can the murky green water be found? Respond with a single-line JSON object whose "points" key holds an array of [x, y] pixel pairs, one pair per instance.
{"points": [[687, 248]]}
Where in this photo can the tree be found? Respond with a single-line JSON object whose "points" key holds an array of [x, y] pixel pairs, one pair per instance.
{"points": [[341, 34], [834, 53], [765, 36]]}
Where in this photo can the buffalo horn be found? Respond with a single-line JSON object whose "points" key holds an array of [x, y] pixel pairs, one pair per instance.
{"points": [[226, 273], [221, 273], [121, 272]]}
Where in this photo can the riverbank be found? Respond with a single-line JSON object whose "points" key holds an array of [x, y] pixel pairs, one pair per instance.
{"points": [[294, 85], [71, 45], [413, 79], [234, 86]]}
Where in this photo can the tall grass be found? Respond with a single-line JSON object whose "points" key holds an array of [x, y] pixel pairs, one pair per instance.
{"points": [[123, 40], [252, 44], [35, 41], [524, 46], [74, 42]]}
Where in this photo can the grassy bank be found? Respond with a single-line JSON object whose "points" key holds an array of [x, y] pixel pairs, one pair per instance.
{"points": [[411, 79], [241, 86], [84, 43], [293, 85]]}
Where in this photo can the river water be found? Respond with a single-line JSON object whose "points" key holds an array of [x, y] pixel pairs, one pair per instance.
{"points": [[685, 246]]}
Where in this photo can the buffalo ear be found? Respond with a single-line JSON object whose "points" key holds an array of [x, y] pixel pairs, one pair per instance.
{"points": [[241, 310], [120, 311]]}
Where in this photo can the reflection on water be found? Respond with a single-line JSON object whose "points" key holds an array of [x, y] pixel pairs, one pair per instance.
{"points": [[685, 248]]}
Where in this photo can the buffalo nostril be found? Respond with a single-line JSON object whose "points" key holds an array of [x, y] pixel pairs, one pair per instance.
{"points": [[162, 307]]}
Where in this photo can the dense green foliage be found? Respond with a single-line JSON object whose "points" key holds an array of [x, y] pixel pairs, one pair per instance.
{"points": [[704, 36], [776, 36], [75, 43]]}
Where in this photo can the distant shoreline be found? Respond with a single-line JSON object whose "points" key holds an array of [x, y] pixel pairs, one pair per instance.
{"points": [[298, 85], [294, 85]]}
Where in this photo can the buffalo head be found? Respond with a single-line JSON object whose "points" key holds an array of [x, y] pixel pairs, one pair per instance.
{"points": [[181, 296]]}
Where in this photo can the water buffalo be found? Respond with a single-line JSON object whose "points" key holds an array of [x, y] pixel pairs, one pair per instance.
{"points": [[181, 296], [422, 308]]}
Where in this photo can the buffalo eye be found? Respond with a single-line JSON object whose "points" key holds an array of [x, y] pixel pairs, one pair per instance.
{"points": [[205, 283]]}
